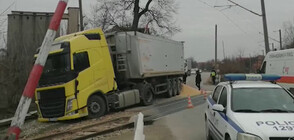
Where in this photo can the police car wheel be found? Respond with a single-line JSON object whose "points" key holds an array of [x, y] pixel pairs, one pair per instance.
{"points": [[208, 135]]}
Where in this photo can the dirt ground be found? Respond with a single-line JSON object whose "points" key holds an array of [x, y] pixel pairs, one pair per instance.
{"points": [[33, 128]]}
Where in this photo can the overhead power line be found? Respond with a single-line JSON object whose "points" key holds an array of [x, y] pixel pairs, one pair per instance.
{"points": [[227, 17], [244, 8], [270, 38], [263, 15], [8, 8]]}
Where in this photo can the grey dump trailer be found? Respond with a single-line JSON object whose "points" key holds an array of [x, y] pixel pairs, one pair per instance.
{"points": [[146, 64]]}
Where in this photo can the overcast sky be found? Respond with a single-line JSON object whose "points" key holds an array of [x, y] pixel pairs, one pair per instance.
{"points": [[237, 28]]}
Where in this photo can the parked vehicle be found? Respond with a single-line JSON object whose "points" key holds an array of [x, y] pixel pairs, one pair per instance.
{"points": [[88, 73], [280, 63], [245, 108]]}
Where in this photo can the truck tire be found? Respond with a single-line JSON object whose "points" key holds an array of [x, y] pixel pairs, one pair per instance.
{"points": [[146, 93], [169, 92], [179, 86], [174, 87], [96, 107]]}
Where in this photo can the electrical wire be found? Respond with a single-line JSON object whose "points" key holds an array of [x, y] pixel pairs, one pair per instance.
{"points": [[235, 24], [8, 8]]}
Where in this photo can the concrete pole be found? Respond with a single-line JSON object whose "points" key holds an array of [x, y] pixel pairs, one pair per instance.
{"points": [[215, 61], [81, 16], [34, 77], [267, 49], [280, 33], [224, 50]]}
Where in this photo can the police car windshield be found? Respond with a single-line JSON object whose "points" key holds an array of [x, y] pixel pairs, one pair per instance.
{"points": [[258, 100]]}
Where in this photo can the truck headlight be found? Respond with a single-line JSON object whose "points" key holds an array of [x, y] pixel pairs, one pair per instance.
{"points": [[245, 136], [69, 104]]}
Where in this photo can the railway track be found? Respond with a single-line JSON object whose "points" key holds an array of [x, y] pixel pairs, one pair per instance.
{"points": [[88, 131], [98, 128]]}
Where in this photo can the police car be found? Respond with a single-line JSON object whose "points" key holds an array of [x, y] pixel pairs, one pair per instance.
{"points": [[248, 108]]}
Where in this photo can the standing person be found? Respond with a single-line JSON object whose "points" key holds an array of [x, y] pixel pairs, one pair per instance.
{"points": [[213, 74], [198, 79]]}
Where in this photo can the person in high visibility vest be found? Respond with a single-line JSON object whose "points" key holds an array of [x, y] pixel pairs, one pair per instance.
{"points": [[213, 74]]}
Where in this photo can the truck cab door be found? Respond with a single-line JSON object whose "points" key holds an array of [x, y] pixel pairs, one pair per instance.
{"points": [[81, 67]]}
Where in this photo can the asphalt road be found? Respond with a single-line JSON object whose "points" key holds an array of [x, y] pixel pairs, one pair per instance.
{"points": [[173, 121]]}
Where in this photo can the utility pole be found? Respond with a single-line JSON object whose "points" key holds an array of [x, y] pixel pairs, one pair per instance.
{"points": [[81, 16], [267, 49], [280, 33], [215, 61], [265, 27], [224, 50]]}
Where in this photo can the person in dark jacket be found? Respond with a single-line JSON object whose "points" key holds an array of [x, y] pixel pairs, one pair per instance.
{"points": [[198, 79]]}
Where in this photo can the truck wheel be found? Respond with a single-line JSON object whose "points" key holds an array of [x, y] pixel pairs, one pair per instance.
{"points": [[175, 87], [96, 107], [179, 86], [146, 93], [169, 92]]}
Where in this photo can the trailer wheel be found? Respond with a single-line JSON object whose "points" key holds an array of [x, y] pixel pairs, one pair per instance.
{"points": [[175, 87], [179, 86], [146, 93], [169, 92], [96, 107]]}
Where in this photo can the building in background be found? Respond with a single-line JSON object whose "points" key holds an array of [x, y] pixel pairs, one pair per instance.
{"points": [[25, 33]]}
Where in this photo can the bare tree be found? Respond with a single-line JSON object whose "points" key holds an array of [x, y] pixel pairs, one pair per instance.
{"points": [[241, 52], [288, 38], [157, 15]]}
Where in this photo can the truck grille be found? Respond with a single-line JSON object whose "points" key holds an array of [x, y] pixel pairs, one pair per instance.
{"points": [[279, 138], [52, 102]]}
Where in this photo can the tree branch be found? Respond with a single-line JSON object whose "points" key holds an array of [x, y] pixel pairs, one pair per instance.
{"points": [[145, 9]]}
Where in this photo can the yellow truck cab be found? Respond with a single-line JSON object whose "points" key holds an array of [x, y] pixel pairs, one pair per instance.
{"points": [[86, 76]]}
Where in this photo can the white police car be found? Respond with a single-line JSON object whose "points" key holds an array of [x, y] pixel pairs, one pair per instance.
{"points": [[250, 110]]}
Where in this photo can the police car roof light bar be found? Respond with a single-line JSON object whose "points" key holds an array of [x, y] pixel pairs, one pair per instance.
{"points": [[252, 77]]}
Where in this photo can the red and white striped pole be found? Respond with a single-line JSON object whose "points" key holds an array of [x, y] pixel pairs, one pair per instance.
{"points": [[34, 77]]}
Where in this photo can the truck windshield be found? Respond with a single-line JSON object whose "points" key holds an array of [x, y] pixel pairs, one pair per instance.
{"points": [[56, 64], [270, 100]]}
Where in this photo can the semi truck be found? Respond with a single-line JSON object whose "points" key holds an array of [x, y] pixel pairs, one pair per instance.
{"points": [[280, 63], [88, 73]]}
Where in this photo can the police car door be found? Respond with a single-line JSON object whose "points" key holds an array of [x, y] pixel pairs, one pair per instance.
{"points": [[220, 117], [212, 113]]}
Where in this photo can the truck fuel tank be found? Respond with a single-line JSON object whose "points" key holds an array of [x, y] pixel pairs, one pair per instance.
{"points": [[128, 98]]}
